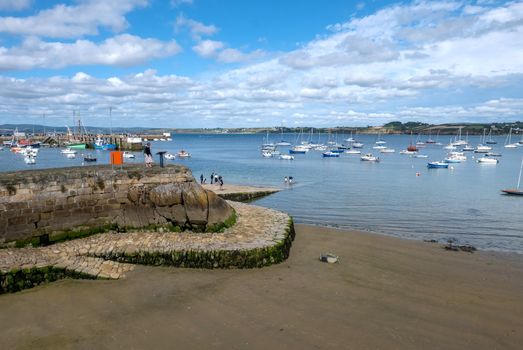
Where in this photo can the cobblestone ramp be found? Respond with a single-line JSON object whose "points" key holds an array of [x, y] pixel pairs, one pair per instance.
{"points": [[264, 232]]}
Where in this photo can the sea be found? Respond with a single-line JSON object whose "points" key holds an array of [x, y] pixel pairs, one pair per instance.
{"points": [[399, 196]]}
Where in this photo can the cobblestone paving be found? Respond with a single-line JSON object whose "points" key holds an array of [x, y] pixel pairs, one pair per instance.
{"points": [[256, 227]]}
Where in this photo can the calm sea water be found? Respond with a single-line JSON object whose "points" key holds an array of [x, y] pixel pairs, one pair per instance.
{"points": [[462, 203]]}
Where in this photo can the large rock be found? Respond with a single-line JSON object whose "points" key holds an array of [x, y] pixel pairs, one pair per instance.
{"points": [[53, 200], [218, 209], [196, 204]]}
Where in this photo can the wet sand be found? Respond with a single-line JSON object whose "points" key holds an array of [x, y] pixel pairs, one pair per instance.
{"points": [[386, 293]]}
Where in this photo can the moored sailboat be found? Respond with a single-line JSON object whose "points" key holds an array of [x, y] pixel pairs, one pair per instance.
{"points": [[516, 191]]}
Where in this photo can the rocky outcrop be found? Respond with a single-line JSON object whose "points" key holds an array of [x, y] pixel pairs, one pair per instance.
{"points": [[55, 201]]}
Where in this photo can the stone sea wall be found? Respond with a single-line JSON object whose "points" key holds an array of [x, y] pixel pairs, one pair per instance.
{"points": [[56, 201]]}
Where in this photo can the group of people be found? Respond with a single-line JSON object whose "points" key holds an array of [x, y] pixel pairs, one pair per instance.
{"points": [[215, 179], [288, 180]]}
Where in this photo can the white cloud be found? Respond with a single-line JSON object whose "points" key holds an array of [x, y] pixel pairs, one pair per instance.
{"points": [[121, 50], [176, 3], [208, 48], [390, 65], [197, 29], [14, 5], [63, 21]]}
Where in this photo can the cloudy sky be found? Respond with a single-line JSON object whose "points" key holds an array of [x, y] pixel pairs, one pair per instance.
{"points": [[256, 63]]}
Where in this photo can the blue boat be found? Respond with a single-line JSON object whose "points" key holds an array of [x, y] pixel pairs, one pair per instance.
{"points": [[102, 145], [330, 154], [339, 150], [435, 165]]}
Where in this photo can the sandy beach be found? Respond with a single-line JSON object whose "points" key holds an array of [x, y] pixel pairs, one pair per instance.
{"points": [[385, 293]]}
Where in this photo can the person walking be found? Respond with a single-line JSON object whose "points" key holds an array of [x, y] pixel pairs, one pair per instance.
{"points": [[148, 155], [201, 179], [212, 177]]}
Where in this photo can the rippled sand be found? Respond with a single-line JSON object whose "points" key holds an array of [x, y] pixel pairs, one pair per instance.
{"points": [[385, 293]]}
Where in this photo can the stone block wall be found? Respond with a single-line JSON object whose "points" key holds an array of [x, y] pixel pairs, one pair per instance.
{"points": [[50, 201]]}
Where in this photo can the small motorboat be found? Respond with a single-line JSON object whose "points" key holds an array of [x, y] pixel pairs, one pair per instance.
{"points": [[183, 154], [369, 158], [436, 165], [482, 149], [286, 157], [452, 160], [266, 154], [493, 154], [169, 156], [30, 160], [330, 154], [128, 155], [68, 151], [89, 158], [488, 160]]}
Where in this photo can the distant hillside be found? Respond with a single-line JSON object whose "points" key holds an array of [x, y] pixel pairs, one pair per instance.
{"points": [[394, 127]]}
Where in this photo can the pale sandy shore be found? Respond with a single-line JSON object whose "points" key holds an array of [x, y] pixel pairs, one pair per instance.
{"points": [[232, 188], [386, 293]]}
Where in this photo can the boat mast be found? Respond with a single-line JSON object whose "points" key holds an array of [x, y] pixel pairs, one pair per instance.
{"points": [[520, 171]]}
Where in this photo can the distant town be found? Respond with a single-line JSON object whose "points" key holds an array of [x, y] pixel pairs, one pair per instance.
{"points": [[395, 127]]}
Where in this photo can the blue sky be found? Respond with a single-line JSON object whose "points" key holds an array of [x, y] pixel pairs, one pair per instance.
{"points": [[208, 63]]}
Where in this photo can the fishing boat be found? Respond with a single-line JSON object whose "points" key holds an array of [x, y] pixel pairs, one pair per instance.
{"points": [[101, 144], [437, 165], [488, 160], [76, 145], [128, 155], [183, 154], [330, 154], [508, 141], [286, 157], [369, 158], [169, 156], [516, 191], [89, 158], [352, 151]]}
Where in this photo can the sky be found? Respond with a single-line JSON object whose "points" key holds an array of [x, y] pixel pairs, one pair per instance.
{"points": [[260, 63]]}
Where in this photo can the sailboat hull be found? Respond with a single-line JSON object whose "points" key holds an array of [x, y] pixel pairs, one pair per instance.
{"points": [[513, 192]]}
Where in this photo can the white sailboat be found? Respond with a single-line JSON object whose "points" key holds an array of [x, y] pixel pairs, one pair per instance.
{"points": [[516, 191], [508, 141]]}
